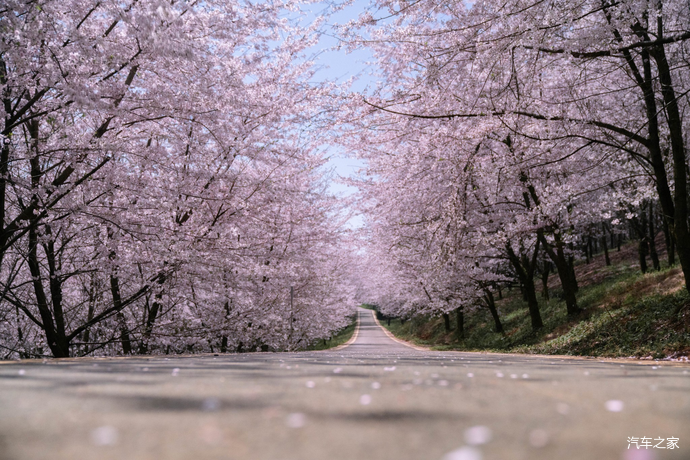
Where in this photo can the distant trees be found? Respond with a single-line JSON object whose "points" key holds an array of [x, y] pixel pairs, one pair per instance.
{"points": [[504, 135], [157, 193]]}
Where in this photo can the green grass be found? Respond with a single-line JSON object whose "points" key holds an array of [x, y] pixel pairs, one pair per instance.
{"points": [[626, 314], [337, 339]]}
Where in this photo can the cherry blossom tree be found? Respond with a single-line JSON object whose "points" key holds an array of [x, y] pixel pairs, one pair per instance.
{"points": [[544, 119], [161, 189]]}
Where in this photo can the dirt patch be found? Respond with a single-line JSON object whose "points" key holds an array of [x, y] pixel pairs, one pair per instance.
{"points": [[658, 283]]}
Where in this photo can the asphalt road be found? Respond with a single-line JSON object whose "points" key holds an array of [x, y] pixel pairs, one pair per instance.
{"points": [[374, 399]]}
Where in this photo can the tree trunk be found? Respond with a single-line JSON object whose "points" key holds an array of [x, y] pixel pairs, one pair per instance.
{"points": [[57, 342], [55, 285], [652, 237], [533, 304], [151, 316], [674, 206], [459, 324], [571, 264], [4, 169], [224, 338], [668, 239], [446, 322], [524, 268], [117, 302], [523, 291], [605, 246], [565, 271], [491, 303], [640, 227], [53, 321], [89, 315], [545, 280], [680, 179], [642, 250]]}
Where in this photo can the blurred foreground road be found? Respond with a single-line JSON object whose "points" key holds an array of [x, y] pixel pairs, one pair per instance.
{"points": [[374, 399]]}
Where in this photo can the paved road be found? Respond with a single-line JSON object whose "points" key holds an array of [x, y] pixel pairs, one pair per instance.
{"points": [[374, 399]]}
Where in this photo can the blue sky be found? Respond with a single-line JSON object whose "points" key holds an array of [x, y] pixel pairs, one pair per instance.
{"points": [[339, 66]]}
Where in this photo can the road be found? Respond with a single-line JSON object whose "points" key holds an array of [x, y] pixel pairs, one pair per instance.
{"points": [[374, 399]]}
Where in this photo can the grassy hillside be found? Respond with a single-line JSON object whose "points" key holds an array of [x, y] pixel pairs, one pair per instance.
{"points": [[626, 314]]}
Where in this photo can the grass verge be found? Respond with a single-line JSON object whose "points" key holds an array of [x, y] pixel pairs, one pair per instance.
{"points": [[627, 314], [337, 339]]}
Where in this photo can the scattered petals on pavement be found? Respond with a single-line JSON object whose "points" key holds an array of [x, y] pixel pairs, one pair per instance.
{"points": [[478, 435], [614, 405], [105, 435], [296, 420], [464, 453]]}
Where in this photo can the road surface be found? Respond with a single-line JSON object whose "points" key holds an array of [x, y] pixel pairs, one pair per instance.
{"points": [[374, 399]]}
